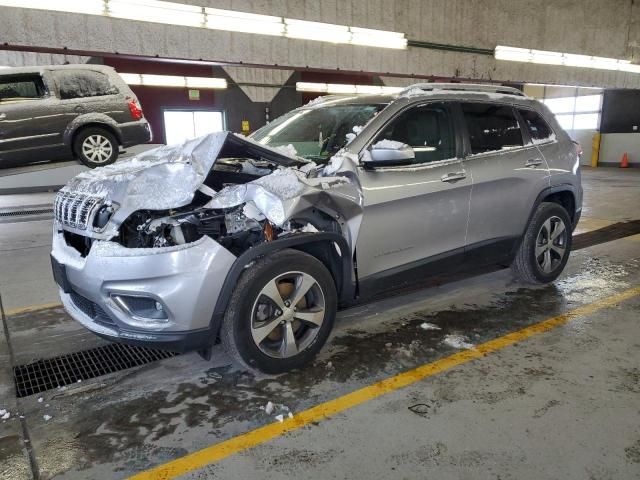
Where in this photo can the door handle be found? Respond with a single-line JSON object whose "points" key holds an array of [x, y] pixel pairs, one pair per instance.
{"points": [[453, 176], [3, 116], [533, 162]]}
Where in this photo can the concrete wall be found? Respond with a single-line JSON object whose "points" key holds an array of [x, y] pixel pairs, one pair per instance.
{"points": [[589, 27], [614, 145]]}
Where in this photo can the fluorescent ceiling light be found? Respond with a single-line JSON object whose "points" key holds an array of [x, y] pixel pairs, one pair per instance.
{"points": [[171, 13], [514, 54], [229, 20], [173, 81], [94, 7], [157, 12], [341, 89], [205, 82]]}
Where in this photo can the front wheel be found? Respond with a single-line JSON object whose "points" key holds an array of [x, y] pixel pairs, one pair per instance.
{"points": [[96, 147], [281, 312], [546, 244]]}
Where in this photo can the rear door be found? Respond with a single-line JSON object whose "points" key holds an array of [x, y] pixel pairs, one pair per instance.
{"points": [[508, 173], [414, 213], [28, 121]]}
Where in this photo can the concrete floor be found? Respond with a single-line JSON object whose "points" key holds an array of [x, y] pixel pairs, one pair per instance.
{"points": [[564, 404]]}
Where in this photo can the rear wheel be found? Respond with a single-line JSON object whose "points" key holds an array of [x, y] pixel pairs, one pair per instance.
{"points": [[96, 147], [280, 313], [546, 245]]}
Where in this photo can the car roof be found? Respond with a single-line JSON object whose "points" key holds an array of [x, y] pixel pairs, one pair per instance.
{"points": [[42, 68], [439, 91]]}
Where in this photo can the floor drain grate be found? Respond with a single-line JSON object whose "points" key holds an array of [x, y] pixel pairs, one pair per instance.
{"points": [[68, 369], [21, 213]]}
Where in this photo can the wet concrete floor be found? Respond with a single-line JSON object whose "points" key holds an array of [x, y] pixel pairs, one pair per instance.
{"points": [[561, 405]]}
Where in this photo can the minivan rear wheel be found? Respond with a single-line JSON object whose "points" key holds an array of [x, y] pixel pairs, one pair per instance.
{"points": [[281, 312], [96, 147], [546, 245]]}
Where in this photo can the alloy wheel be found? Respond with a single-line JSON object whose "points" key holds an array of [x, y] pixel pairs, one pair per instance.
{"points": [[97, 148], [287, 315], [551, 244]]}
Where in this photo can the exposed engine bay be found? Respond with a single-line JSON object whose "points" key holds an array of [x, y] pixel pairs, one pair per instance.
{"points": [[223, 186]]}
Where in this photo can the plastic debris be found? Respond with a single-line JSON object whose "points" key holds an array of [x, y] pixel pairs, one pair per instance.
{"points": [[269, 408], [47, 417], [280, 418], [5, 416], [40, 400], [429, 326], [458, 341]]}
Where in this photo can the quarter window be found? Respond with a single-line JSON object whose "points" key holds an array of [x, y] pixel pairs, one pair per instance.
{"points": [[538, 128], [21, 87], [83, 83], [427, 130], [491, 127]]}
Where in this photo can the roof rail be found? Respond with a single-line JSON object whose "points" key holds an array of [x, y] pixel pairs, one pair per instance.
{"points": [[467, 87]]}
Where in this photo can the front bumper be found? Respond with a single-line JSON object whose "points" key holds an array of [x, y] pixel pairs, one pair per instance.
{"points": [[135, 133], [185, 280]]}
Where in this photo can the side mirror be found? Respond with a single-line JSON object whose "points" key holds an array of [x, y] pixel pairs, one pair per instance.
{"points": [[387, 153]]}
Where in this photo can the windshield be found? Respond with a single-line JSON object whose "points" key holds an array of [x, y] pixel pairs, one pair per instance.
{"points": [[317, 133]]}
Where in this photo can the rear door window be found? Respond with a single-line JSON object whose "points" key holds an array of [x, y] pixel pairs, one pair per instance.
{"points": [[538, 128], [491, 127], [21, 87], [82, 84], [427, 129]]}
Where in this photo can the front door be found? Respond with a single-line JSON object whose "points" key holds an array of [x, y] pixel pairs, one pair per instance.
{"points": [[416, 213]]}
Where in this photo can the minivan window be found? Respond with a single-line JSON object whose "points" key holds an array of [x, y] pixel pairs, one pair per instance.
{"points": [[426, 129], [318, 132], [21, 87], [538, 128], [82, 83], [491, 127]]}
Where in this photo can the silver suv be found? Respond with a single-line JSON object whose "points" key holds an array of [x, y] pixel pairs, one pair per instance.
{"points": [[258, 241], [61, 111]]}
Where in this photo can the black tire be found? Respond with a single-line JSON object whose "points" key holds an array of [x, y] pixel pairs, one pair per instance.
{"points": [[105, 138], [240, 320], [527, 265]]}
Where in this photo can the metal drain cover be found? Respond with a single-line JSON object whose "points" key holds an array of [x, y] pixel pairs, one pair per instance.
{"points": [[64, 370]]}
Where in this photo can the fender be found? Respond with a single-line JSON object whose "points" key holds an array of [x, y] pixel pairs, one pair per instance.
{"points": [[345, 294], [563, 187], [90, 119]]}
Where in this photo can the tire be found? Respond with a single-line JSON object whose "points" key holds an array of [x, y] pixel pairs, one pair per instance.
{"points": [[538, 260], [252, 314], [96, 147]]}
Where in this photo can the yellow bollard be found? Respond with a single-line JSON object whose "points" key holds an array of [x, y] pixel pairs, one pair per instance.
{"points": [[595, 150]]}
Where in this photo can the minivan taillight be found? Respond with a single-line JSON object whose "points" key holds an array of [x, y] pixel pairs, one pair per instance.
{"points": [[136, 111]]}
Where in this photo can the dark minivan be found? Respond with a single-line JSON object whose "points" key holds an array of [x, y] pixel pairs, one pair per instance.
{"points": [[55, 112]]}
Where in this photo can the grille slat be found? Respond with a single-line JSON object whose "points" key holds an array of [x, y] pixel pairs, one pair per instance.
{"points": [[57, 372], [74, 209]]}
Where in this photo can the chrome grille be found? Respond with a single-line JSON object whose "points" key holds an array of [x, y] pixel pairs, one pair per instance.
{"points": [[74, 209]]}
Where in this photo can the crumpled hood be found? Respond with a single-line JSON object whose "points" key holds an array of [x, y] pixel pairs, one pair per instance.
{"points": [[168, 176]]}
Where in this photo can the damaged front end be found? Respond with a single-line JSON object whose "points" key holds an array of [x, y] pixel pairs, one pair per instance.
{"points": [[224, 186], [166, 227]]}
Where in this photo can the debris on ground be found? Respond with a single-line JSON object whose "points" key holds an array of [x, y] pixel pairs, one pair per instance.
{"points": [[47, 417], [388, 345], [269, 408], [290, 415], [4, 415], [429, 326], [280, 418], [40, 400], [458, 341]]}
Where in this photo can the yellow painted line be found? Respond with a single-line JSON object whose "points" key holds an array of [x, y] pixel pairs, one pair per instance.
{"points": [[31, 308], [219, 451]]}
